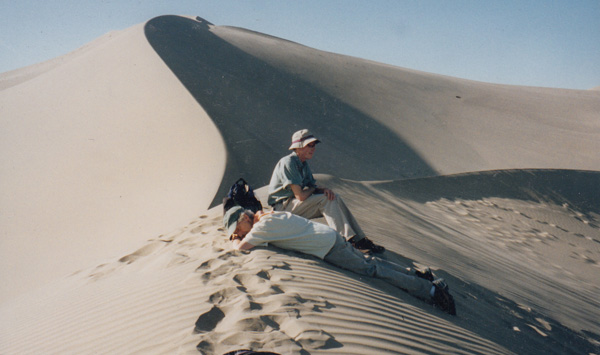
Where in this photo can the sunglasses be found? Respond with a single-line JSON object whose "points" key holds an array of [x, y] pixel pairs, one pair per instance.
{"points": [[311, 145]]}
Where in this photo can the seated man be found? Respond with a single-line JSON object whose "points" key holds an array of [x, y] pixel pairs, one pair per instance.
{"points": [[294, 189], [287, 231]]}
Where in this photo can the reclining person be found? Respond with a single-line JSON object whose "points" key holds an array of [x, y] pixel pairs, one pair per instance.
{"points": [[288, 231], [294, 189]]}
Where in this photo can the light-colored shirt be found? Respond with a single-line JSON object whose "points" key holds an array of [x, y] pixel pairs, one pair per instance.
{"points": [[288, 231], [290, 170]]}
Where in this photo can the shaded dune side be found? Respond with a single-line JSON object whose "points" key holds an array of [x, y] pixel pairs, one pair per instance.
{"points": [[532, 236], [376, 121], [455, 125], [257, 107], [573, 188]]}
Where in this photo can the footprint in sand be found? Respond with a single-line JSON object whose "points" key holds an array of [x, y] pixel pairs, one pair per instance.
{"points": [[256, 304], [537, 330], [202, 228], [558, 227], [258, 284], [198, 229], [544, 324], [209, 320], [222, 295], [214, 273], [143, 251], [102, 270], [583, 257]]}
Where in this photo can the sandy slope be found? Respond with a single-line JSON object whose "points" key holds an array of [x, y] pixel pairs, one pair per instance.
{"points": [[135, 134], [99, 151], [497, 250]]}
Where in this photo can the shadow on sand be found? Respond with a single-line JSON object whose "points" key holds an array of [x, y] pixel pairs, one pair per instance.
{"points": [[575, 188], [257, 107], [493, 316]]}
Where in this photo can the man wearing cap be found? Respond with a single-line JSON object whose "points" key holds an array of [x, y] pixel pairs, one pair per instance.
{"points": [[294, 189], [288, 231]]}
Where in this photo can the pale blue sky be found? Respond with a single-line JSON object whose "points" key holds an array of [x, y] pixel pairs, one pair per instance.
{"points": [[534, 43]]}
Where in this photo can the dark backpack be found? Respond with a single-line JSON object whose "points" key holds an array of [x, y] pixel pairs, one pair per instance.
{"points": [[241, 194]]}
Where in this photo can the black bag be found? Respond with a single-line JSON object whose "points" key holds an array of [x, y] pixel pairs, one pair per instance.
{"points": [[241, 194]]}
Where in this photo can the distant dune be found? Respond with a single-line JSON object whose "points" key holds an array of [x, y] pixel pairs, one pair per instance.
{"points": [[130, 142]]}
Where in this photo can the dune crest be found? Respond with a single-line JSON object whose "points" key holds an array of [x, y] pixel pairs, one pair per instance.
{"points": [[100, 150]]}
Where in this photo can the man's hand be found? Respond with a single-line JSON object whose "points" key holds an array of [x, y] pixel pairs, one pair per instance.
{"points": [[235, 236], [325, 191], [303, 194], [240, 244], [329, 193]]}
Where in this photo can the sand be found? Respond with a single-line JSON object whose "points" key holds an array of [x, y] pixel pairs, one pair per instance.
{"points": [[98, 154], [115, 157]]}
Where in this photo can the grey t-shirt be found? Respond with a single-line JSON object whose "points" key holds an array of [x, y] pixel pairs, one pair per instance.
{"points": [[289, 171]]}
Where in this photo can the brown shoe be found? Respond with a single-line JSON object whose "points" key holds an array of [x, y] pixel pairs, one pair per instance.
{"points": [[365, 245]]}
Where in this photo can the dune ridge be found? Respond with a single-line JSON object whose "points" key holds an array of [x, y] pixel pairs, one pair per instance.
{"points": [[495, 187]]}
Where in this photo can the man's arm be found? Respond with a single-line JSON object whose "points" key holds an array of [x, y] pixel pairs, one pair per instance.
{"points": [[240, 244], [302, 195]]}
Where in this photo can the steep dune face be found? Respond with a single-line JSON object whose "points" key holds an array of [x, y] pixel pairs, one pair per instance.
{"points": [[99, 149], [455, 125], [376, 121], [257, 107]]}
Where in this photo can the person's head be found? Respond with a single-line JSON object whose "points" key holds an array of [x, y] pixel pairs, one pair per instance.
{"points": [[304, 143], [238, 221]]}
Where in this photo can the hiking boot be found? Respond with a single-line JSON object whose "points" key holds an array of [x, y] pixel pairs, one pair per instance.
{"points": [[365, 245], [442, 297], [425, 274]]}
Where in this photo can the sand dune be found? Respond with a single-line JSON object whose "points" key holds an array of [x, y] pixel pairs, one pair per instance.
{"points": [[99, 153], [396, 122], [127, 143], [188, 289]]}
